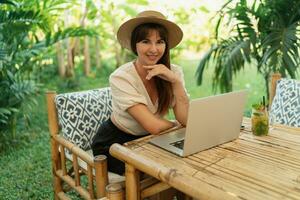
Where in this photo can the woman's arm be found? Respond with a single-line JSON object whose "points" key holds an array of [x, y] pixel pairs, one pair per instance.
{"points": [[181, 102], [151, 123], [181, 99]]}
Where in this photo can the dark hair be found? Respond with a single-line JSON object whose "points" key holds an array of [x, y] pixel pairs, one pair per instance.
{"points": [[164, 88]]}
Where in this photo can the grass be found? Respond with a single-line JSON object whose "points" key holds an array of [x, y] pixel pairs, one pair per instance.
{"points": [[26, 168], [246, 79]]}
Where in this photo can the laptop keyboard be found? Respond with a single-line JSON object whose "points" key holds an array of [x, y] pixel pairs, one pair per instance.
{"points": [[178, 144]]}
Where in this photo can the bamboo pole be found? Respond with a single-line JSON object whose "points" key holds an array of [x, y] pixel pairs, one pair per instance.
{"points": [[52, 114], [56, 165], [76, 150], [63, 159], [61, 140], [90, 181], [274, 78], [63, 196], [161, 186], [147, 181], [54, 130], [76, 169], [70, 181], [101, 175], [132, 182], [115, 192]]}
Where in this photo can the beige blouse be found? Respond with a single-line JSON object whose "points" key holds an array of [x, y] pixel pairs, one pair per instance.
{"points": [[128, 90]]}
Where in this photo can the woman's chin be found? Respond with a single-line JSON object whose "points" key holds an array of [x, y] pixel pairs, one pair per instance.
{"points": [[152, 62]]}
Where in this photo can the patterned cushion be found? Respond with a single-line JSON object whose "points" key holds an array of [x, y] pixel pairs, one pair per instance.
{"points": [[285, 107], [81, 113]]}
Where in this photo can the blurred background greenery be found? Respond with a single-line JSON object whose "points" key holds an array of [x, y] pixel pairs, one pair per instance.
{"points": [[70, 45]]}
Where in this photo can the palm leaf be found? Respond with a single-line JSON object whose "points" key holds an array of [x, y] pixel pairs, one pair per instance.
{"points": [[229, 56], [284, 41], [8, 2], [69, 32], [204, 63]]}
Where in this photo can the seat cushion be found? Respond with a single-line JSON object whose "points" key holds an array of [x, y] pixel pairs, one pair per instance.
{"points": [[285, 107], [81, 113]]}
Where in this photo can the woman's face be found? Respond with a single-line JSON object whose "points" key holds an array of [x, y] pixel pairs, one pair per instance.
{"points": [[151, 49]]}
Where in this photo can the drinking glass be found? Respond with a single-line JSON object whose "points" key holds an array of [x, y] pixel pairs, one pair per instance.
{"points": [[259, 122]]}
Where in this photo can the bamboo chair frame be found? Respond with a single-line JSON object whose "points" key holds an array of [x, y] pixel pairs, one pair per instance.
{"points": [[149, 186], [59, 167], [272, 86]]}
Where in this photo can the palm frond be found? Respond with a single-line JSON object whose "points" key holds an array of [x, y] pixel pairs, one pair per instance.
{"points": [[8, 2], [204, 62], [229, 57], [3, 54], [266, 32], [231, 60], [69, 32], [281, 43], [21, 16]]}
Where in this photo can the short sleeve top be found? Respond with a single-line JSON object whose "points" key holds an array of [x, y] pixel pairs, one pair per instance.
{"points": [[128, 90]]}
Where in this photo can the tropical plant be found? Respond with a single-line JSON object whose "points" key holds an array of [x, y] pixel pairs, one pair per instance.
{"points": [[264, 33], [26, 33]]}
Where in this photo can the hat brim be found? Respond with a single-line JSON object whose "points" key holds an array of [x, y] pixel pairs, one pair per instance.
{"points": [[175, 33]]}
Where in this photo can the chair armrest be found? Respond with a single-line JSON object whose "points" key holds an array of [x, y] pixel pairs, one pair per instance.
{"points": [[98, 164]]}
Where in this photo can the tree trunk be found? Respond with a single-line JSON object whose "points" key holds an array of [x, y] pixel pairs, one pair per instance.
{"points": [[97, 53], [70, 59], [70, 56], [60, 60], [86, 53]]}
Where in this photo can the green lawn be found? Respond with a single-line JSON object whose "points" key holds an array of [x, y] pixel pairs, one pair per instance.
{"points": [[246, 79], [26, 169]]}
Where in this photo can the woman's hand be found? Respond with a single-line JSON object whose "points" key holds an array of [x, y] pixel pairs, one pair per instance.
{"points": [[161, 71]]}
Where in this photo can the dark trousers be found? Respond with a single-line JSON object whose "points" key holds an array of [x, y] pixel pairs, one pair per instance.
{"points": [[108, 134]]}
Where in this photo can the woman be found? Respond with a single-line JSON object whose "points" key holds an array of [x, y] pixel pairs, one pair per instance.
{"points": [[143, 90]]}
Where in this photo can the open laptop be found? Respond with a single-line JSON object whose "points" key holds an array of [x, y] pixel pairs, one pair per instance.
{"points": [[211, 121]]}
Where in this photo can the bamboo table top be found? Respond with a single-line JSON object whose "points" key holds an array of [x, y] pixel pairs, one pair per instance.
{"points": [[250, 167]]}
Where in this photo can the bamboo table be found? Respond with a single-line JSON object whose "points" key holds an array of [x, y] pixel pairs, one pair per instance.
{"points": [[250, 167]]}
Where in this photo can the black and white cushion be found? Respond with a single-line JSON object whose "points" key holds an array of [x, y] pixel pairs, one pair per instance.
{"points": [[80, 114], [285, 107]]}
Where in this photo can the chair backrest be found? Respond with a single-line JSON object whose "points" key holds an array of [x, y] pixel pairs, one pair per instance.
{"points": [[272, 86], [81, 113], [285, 107]]}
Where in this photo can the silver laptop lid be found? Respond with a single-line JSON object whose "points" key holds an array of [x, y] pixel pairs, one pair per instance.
{"points": [[213, 120]]}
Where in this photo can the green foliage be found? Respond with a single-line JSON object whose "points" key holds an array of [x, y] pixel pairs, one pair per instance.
{"points": [[265, 33], [52, 38], [26, 33]]}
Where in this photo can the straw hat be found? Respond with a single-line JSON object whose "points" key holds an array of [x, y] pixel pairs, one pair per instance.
{"points": [[124, 33]]}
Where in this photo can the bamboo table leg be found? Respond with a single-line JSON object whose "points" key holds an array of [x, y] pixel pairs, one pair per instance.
{"points": [[132, 183]]}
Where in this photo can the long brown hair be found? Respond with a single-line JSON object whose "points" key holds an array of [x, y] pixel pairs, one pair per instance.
{"points": [[164, 88]]}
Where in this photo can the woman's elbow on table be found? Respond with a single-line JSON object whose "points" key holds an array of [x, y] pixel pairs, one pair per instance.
{"points": [[154, 130]]}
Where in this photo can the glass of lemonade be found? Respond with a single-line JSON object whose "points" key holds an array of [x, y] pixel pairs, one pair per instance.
{"points": [[259, 120]]}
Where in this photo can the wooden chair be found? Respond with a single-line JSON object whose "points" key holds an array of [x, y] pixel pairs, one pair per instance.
{"points": [[70, 162], [284, 106], [66, 149]]}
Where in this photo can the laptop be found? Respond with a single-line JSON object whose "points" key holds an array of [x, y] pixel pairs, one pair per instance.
{"points": [[212, 121]]}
